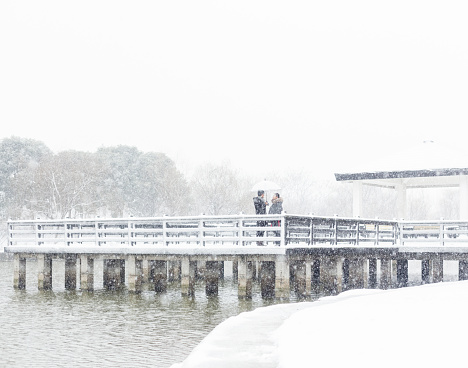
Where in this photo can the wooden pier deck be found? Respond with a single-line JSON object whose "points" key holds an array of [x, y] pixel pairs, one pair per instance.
{"points": [[332, 252]]}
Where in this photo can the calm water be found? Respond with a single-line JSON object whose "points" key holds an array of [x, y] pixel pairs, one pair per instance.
{"points": [[107, 329]]}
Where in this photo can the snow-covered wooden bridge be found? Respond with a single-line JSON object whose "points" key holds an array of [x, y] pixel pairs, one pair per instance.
{"points": [[333, 251]]}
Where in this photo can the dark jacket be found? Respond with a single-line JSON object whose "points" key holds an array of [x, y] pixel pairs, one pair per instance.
{"points": [[276, 207], [260, 206]]}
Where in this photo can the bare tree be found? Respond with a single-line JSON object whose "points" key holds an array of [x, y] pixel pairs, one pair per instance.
{"points": [[67, 185], [218, 189]]}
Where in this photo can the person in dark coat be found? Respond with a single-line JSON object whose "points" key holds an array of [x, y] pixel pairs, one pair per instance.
{"points": [[260, 209], [276, 209]]}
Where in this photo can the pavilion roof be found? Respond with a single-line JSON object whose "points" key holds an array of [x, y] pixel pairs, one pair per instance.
{"points": [[427, 164]]}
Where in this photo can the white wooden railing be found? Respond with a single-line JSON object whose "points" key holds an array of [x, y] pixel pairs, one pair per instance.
{"points": [[236, 230], [440, 233]]}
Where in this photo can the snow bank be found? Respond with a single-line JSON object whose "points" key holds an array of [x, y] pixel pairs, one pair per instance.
{"points": [[410, 327]]}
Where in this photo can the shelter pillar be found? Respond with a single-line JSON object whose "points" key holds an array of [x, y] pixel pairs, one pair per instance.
{"points": [[401, 201], [463, 197], [357, 198]]}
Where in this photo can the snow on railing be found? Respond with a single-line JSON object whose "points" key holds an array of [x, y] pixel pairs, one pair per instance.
{"points": [[441, 233], [240, 230]]}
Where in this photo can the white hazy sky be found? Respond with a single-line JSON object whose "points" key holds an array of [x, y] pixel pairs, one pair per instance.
{"points": [[306, 84]]}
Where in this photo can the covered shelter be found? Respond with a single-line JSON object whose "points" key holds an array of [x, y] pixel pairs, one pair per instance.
{"points": [[426, 165]]}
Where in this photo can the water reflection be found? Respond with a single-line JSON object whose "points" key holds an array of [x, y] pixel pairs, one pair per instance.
{"points": [[108, 328]]}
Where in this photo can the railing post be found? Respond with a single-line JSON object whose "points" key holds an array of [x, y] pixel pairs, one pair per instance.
{"points": [[129, 232], [36, 229], [96, 235], [201, 232], [311, 229], [377, 234], [336, 230], [164, 228], [283, 230], [441, 233], [10, 235], [240, 233], [65, 233], [357, 232]]}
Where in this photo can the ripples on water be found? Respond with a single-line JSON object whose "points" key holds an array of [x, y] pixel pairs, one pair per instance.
{"points": [[104, 328], [108, 329]]}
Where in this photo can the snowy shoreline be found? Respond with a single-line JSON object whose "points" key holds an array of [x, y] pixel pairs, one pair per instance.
{"points": [[417, 326]]}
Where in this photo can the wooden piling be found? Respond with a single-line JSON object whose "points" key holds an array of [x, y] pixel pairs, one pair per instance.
{"points": [[244, 278], [70, 272], [86, 273], [331, 275], [19, 271], [385, 273], [187, 281], [282, 277], [44, 272]]}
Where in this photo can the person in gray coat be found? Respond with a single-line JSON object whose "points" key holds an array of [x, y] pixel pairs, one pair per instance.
{"points": [[276, 209]]}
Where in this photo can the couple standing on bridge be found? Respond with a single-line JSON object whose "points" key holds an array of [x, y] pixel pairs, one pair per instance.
{"points": [[260, 209]]}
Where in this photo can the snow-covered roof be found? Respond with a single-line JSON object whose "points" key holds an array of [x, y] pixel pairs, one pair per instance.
{"points": [[428, 164]]}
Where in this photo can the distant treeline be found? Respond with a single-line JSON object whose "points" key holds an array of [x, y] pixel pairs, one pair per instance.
{"points": [[114, 181], [123, 181]]}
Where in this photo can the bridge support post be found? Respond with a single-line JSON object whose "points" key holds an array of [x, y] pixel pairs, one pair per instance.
{"points": [[302, 280], [426, 271], [462, 270], [70, 272], [200, 270], [282, 277], [114, 273], [438, 270], [331, 275], [86, 273], [19, 272], [44, 272], [187, 281], [134, 268], [316, 275], [402, 272], [234, 269], [212, 273], [244, 278], [372, 273], [358, 274], [173, 270], [267, 279], [308, 277], [145, 271], [385, 273], [159, 275]]}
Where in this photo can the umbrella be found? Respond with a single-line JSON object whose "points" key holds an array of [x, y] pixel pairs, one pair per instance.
{"points": [[265, 185]]}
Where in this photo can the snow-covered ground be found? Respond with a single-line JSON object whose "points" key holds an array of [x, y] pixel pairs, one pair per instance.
{"points": [[422, 326]]}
